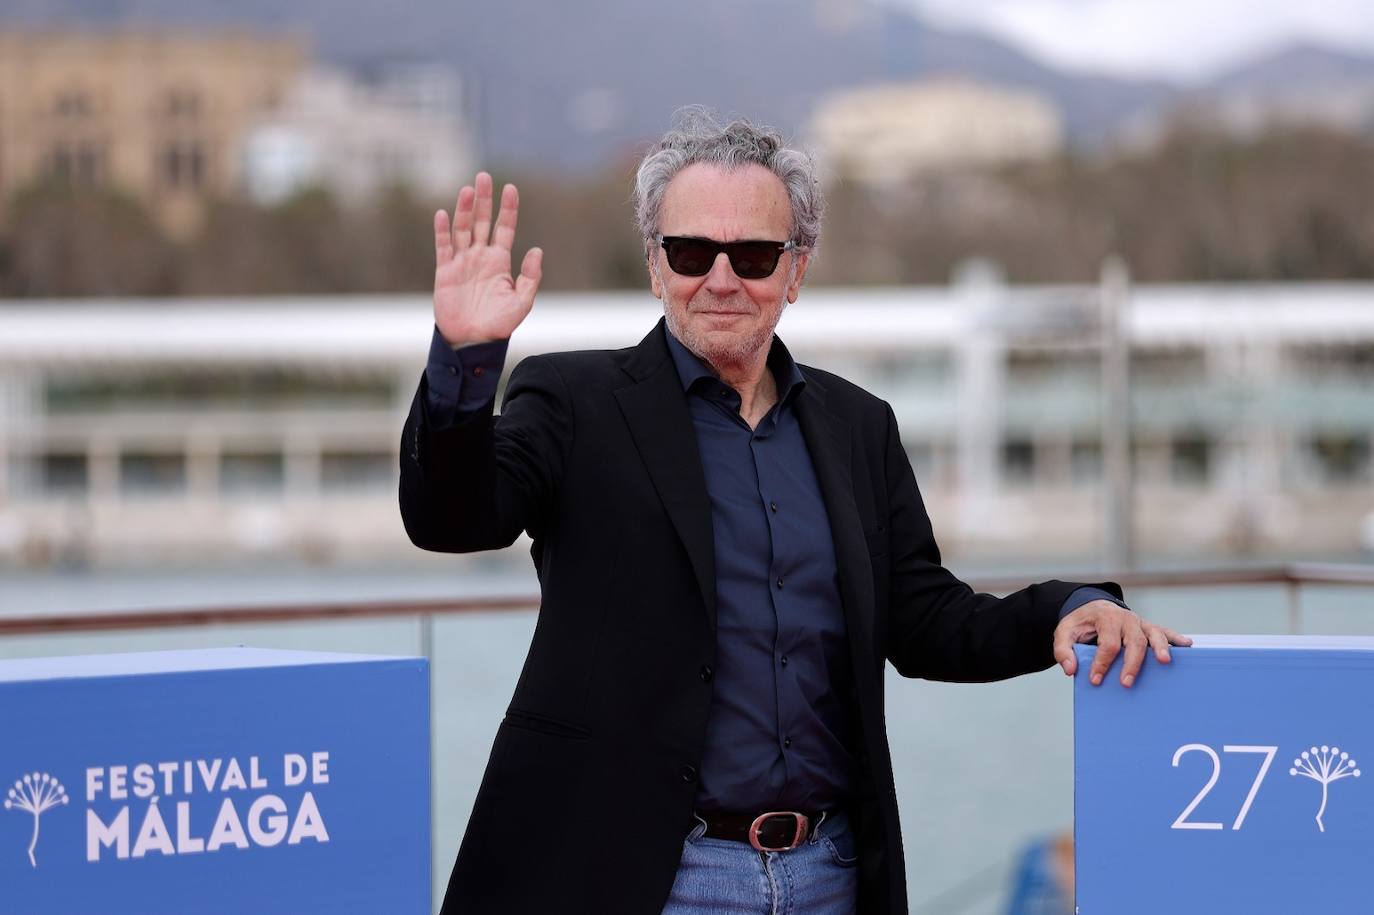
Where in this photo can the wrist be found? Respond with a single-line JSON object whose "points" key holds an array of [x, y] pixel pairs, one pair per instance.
{"points": [[458, 341]]}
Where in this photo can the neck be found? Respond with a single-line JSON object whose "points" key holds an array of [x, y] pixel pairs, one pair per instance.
{"points": [[753, 381]]}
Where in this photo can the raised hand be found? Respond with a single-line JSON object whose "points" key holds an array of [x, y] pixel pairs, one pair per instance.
{"points": [[476, 300]]}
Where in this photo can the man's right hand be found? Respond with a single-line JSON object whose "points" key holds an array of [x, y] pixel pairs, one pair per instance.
{"points": [[475, 298]]}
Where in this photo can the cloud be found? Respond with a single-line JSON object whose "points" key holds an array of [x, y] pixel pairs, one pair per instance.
{"points": [[1174, 38]]}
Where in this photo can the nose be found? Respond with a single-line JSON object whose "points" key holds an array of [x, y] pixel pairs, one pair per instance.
{"points": [[722, 279]]}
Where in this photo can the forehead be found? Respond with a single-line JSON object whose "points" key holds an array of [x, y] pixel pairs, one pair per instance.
{"points": [[745, 202]]}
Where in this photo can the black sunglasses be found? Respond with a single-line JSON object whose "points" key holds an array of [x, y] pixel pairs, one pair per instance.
{"points": [[751, 260]]}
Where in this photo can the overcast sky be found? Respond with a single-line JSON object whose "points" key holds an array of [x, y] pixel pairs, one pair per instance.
{"points": [[1183, 39]]}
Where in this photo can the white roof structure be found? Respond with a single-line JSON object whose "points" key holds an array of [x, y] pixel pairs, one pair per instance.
{"points": [[375, 331]]}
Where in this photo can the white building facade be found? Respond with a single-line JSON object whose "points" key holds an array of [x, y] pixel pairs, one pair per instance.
{"points": [[887, 133], [357, 138], [187, 430]]}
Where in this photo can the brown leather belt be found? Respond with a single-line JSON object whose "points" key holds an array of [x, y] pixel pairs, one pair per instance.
{"points": [[775, 830]]}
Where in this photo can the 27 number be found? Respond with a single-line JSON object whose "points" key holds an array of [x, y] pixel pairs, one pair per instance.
{"points": [[1182, 822]]}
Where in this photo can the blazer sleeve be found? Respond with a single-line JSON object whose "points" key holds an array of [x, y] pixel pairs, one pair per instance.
{"points": [[478, 483], [938, 627]]}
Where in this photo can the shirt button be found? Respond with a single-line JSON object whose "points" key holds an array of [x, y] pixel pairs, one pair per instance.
{"points": [[787, 741], [689, 773], [478, 372], [784, 660], [773, 506], [779, 584], [707, 673], [452, 370]]}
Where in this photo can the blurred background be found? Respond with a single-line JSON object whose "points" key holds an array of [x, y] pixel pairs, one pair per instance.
{"points": [[1111, 261]]}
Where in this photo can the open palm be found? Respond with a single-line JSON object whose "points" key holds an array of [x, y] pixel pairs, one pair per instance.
{"points": [[476, 299]]}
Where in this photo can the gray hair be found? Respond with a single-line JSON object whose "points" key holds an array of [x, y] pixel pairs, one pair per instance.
{"points": [[698, 135]]}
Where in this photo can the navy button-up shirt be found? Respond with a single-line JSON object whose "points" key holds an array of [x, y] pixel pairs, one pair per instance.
{"points": [[780, 727]]}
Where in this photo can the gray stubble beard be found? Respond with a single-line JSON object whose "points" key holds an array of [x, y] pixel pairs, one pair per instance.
{"points": [[737, 356]]}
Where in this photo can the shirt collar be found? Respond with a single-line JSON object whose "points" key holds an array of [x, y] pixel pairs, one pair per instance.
{"points": [[691, 370]]}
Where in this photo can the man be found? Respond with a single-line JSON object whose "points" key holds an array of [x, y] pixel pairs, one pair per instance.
{"points": [[729, 547]]}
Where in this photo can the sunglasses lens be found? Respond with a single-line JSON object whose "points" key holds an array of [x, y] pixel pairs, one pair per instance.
{"points": [[754, 260], [690, 256]]}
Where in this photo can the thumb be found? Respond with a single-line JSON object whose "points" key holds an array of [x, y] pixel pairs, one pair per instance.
{"points": [[531, 271], [1064, 654]]}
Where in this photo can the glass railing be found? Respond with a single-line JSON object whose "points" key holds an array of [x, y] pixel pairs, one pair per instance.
{"points": [[965, 825]]}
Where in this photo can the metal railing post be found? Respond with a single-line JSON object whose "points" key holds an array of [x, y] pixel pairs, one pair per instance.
{"points": [[1294, 586], [1118, 522]]}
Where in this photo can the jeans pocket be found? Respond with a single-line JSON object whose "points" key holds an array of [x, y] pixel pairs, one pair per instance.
{"points": [[841, 848]]}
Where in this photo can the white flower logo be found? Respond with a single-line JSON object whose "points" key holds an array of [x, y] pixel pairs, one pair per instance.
{"points": [[1325, 765], [35, 793]]}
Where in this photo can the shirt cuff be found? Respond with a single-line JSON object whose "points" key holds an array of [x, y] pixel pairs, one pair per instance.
{"points": [[1085, 596], [461, 381]]}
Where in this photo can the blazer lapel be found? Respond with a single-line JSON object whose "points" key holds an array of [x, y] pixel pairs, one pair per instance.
{"points": [[828, 439], [655, 409]]}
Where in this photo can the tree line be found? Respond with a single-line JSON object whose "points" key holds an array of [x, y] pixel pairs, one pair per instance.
{"points": [[1288, 204]]}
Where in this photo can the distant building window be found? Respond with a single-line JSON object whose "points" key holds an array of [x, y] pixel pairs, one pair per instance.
{"points": [[1348, 359], [917, 368], [1042, 367], [182, 165], [1190, 459], [182, 103], [1085, 461], [1169, 367], [1018, 460], [89, 163], [72, 105], [245, 473], [77, 163], [206, 386], [356, 470], [62, 162], [64, 474], [152, 474], [1340, 457]]}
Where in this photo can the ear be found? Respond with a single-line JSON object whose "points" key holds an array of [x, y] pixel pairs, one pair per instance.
{"points": [[654, 285], [798, 271]]}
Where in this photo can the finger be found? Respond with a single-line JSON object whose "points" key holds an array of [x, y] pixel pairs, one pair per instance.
{"points": [[481, 214], [1136, 644], [1176, 638], [443, 238], [1108, 647], [1159, 641], [1064, 654], [505, 220], [527, 283], [462, 219]]}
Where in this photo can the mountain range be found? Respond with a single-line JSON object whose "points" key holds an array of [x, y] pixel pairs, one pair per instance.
{"points": [[573, 84]]}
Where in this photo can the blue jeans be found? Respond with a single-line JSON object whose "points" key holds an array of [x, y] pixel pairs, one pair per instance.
{"points": [[724, 877]]}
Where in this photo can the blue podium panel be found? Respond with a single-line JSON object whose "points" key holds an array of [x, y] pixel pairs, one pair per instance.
{"points": [[1229, 780], [222, 780]]}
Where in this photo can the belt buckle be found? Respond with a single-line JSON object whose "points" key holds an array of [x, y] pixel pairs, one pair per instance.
{"points": [[800, 836]]}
